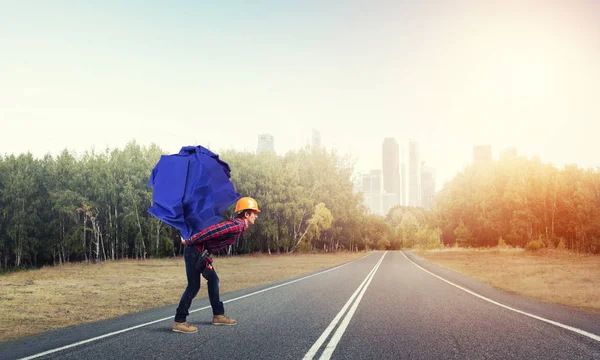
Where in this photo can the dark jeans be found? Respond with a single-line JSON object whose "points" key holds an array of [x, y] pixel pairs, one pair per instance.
{"points": [[191, 255]]}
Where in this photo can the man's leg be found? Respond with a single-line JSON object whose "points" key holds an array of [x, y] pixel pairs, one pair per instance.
{"points": [[193, 278], [215, 302]]}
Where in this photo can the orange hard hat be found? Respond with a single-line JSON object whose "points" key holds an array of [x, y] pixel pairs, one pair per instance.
{"points": [[246, 203]]}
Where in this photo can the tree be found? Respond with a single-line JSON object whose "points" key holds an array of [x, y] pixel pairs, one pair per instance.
{"points": [[463, 235], [320, 220]]}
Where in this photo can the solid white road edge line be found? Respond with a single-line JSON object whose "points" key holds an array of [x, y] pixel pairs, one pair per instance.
{"points": [[576, 330], [335, 339], [51, 351]]}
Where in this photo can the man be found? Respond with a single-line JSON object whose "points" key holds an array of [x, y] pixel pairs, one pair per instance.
{"points": [[208, 241]]}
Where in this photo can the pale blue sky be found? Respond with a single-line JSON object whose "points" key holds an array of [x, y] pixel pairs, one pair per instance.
{"points": [[451, 74]]}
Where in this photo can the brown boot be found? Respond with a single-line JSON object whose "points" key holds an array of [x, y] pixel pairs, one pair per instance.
{"points": [[223, 320], [184, 327]]}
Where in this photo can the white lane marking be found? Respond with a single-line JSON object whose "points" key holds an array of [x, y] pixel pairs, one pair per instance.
{"points": [[317, 345], [100, 337], [51, 351], [335, 339], [576, 330]]}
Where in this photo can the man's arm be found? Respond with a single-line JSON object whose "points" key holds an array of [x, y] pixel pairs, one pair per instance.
{"points": [[216, 246], [223, 242], [214, 231]]}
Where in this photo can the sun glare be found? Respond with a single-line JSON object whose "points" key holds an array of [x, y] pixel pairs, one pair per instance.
{"points": [[524, 79]]}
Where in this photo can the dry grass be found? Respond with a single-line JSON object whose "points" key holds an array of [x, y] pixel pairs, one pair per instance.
{"points": [[39, 300], [549, 275]]}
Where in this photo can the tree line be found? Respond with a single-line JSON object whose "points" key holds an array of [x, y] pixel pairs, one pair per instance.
{"points": [[524, 203], [513, 202], [94, 207], [65, 208]]}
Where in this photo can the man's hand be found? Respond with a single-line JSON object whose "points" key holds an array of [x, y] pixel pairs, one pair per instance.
{"points": [[182, 240]]}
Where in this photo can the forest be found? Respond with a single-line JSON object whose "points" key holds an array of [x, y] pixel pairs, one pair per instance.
{"points": [[93, 207]]}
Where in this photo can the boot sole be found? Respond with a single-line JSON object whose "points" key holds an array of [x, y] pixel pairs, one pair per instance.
{"points": [[224, 324], [185, 332]]}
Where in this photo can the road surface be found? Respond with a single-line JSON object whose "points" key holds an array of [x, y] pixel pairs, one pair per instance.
{"points": [[386, 305]]}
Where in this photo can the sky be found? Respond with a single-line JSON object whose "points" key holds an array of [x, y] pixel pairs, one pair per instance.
{"points": [[450, 74]]}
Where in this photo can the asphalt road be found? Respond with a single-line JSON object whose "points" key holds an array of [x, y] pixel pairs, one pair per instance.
{"points": [[386, 305]]}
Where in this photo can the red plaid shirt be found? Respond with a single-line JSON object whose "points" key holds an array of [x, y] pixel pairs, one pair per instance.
{"points": [[219, 236]]}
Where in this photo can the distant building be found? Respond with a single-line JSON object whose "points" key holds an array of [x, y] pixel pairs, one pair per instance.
{"points": [[509, 153], [376, 182], [357, 183], [371, 188], [266, 143], [414, 174], [366, 190], [403, 185], [388, 201], [390, 155], [482, 154], [316, 139], [427, 187]]}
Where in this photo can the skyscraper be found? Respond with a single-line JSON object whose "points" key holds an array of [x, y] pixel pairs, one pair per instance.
{"points": [[266, 143], [427, 187], [403, 185], [366, 183], [390, 155], [376, 180], [482, 154], [371, 187], [414, 174], [366, 190], [316, 139]]}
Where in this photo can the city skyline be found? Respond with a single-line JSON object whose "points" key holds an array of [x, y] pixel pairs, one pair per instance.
{"points": [[102, 75], [478, 151], [380, 186], [384, 187]]}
